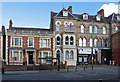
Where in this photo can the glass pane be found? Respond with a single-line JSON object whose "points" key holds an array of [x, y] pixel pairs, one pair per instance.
{"points": [[16, 56], [30, 41], [20, 56], [44, 42], [16, 41]]}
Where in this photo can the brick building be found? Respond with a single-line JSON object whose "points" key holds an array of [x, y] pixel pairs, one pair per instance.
{"points": [[116, 47], [70, 37]]}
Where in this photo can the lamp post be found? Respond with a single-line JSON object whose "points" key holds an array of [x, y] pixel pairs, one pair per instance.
{"points": [[92, 42]]}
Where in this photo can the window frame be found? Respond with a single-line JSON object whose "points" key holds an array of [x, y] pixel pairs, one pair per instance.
{"points": [[82, 29], [28, 41], [19, 41]]}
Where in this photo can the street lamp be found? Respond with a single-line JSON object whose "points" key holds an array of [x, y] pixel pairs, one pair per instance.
{"points": [[92, 42]]}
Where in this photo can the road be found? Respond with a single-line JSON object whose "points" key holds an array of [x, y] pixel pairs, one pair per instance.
{"points": [[100, 72]]}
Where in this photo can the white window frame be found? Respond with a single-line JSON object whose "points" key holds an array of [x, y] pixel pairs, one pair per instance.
{"points": [[13, 55], [82, 29], [84, 42], [28, 41], [80, 42], [91, 42], [104, 30], [95, 29], [91, 29], [95, 42], [48, 43], [13, 43]]}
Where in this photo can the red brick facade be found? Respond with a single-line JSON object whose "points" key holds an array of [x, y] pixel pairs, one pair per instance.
{"points": [[116, 47]]}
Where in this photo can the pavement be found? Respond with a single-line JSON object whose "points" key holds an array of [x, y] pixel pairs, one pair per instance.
{"points": [[99, 72]]}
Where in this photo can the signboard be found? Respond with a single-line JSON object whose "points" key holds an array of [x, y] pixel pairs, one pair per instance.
{"points": [[85, 51]]}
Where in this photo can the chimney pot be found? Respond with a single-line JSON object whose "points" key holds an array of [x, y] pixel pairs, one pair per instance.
{"points": [[70, 9]]}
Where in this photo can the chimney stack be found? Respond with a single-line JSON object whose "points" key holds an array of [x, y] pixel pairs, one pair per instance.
{"points": [[101, 12], [70, 9], [10, 24], [3, 29]]}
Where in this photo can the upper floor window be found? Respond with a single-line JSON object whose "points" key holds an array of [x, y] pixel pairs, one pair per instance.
{"points": [[58, 26], [70, 26], [104, 43], [116, 28], [80, 41], [95, 29], [84, 42], [44, 42], [71, 54], [71, 40], [104, 30], [67, 54], [66, 27], [58, 40], [95, 42], [30, 42], [91, 29], [66, 40], [82, 29], [17, 41], [91, 42]]}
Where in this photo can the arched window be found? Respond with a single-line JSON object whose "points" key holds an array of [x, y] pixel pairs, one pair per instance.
{"points": [[91, 42], [66, 26], [95, 29], [67, 54], [58, 40], [80, 41], [104, 30], [71, 55], [116, 28], [90, 28], [95, 42], [66, 40], [82, 29], [70, 26], [84, 42], [58, 26], [102, 43], [58, 53], [106, 43], [71, 40]]}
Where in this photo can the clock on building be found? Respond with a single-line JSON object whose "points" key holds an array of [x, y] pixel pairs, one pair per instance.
{"points": [[65, 13]]}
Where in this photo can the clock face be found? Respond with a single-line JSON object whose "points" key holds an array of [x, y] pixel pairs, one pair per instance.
{"points": [[65, 13]]}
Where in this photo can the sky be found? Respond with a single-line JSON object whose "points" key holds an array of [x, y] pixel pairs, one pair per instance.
{"points": [[37, 14]]}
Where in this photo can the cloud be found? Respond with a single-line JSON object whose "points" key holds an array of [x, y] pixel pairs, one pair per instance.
{"points": [[109, 9]]}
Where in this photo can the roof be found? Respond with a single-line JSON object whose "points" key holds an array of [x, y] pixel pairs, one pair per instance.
{"points": [[30, 30]]}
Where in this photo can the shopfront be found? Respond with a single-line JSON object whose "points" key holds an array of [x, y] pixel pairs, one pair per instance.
{"points": [[84, 55]]}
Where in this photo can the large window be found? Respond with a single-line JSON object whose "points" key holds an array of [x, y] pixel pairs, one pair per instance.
{"points": [[67, 54], [84, 42], [30, 42], [104, 30], [90, 29], [16, 56], [104, 43], [16, 41], [70, 26], [80, 42], [58, 40], [95, 42], [67, 40], [58, 26], [46, 54], [44, 42], [71, 55], [71, 40], [82, 29], [91, 42], [95, 29]]}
